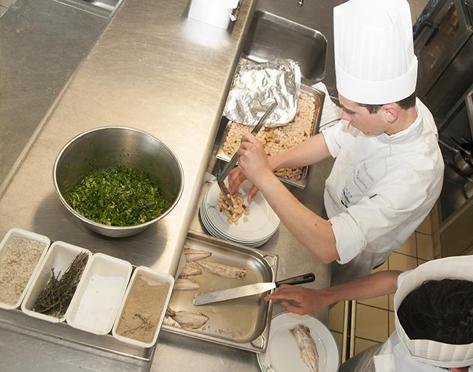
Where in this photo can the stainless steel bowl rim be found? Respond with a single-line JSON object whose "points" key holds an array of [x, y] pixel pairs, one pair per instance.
{"points": [[110, 227]]}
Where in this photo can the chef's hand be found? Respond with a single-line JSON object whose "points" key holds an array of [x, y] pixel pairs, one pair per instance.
{"points": [[253, 160], [235, 179], [299, 300]]}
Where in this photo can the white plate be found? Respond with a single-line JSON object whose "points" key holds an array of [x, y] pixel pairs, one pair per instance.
{"points": [[261, 222], [282, 353], [214, 232]]}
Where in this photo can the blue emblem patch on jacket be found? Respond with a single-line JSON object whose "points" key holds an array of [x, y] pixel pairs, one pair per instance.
{"points": [[346, 198]]}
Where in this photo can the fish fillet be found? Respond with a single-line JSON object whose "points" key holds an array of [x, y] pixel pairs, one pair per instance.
{"points": [[189, 269], [195, 254], [187, 319], [171, 322], [306, 346], [225, 271], [183, 284]]}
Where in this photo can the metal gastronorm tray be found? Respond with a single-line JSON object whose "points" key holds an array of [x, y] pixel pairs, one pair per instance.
{"points": [[240, 323], [319, 102]]}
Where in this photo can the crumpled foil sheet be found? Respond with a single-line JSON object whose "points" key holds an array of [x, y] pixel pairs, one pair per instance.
{"points": [[256, 85]]}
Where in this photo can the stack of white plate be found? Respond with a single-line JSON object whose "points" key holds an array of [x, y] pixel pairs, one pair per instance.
{"points": [[253, 231]]}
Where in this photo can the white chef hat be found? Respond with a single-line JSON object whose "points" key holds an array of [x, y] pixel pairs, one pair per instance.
{"points": [[435, 353], [374, 51]]}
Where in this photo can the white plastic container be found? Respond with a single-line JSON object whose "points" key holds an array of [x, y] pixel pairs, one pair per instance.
{"points": [[153, 276], [99, 294], [213, 12], [43, 240], [60, 256]]}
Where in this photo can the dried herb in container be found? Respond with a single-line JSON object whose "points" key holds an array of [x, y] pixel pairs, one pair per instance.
{"points": [[55, 298]]}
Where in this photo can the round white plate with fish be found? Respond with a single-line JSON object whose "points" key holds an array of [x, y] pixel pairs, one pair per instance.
{"points": [[282, 353]]}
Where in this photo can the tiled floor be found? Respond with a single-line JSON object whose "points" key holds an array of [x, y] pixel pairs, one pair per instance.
{"points": [[373, 319]]}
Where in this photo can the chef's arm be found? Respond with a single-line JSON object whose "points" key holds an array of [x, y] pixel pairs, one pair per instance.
{"points": [[309, 152], [303, 300], [373, 285], [313, 231]]}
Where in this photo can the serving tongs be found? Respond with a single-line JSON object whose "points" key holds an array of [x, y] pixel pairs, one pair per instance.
{"points": [[224, 173]]}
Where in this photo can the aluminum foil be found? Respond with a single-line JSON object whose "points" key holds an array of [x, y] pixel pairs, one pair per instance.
{"points": [[256, 85]]}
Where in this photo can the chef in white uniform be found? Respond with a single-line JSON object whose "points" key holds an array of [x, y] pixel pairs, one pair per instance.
{"points": [[388, 167], [433, 316]]}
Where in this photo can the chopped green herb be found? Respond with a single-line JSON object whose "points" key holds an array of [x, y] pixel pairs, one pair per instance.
{"points": [[119, 196]]}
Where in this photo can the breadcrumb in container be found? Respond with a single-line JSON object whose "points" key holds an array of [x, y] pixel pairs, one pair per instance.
{"points": [[18, 260]]}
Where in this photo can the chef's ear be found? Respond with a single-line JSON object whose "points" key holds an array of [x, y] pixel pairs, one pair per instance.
{"points": [[390, 113]]}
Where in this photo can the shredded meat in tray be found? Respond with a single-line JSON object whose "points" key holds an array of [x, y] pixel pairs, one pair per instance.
{"points": [[280, 138]]}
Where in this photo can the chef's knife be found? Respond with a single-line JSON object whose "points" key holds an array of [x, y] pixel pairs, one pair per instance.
{"points": [[248, 290]]}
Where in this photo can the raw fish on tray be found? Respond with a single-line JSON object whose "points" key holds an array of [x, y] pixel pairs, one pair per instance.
{"points": [[222, 270], [190, 269], [195, 254], [184, 284], [187, 319]]}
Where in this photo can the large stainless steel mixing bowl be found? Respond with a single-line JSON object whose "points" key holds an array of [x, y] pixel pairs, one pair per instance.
{"points": [[111, 146]]}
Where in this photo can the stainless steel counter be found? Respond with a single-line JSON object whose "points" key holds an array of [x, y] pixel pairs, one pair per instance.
{"points": [[151, 69], [155, 70], [41, 44]]}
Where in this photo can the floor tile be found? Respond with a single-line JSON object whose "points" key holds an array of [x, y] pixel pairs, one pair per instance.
{"points": [[339, 340], [383, 267], [391, 302], [420, 261], [402, 262], [371, 323], [336, 317], [381, 302], [362, 344], [409, 247], [426, 226], [391, 322], [425, 248]]}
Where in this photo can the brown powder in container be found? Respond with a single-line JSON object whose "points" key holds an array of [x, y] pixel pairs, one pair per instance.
{"points": [[143, 309], [18, 259]]}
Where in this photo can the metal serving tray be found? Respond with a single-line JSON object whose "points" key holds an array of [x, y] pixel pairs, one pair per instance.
{"points": [[240, 323], [319, 102]]}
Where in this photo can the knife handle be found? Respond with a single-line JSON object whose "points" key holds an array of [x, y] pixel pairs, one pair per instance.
{"points": [[299, 279]]}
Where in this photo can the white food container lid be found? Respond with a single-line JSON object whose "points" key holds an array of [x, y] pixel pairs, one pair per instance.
{"points": [[31, 236], [154, 275], [99, 294], [60, 256], [217, 13]]}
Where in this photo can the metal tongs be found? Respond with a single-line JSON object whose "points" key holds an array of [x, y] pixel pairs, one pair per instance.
{"points": [[224, 173]]}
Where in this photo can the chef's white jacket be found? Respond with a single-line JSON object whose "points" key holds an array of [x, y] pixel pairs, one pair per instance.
{"points": [[381, 187]]}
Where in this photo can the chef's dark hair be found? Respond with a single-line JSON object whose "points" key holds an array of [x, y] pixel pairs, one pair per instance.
{"points": [[439, 310], [405, 104]]}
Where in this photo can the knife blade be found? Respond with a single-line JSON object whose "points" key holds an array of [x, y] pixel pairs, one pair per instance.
{"points": [[247, 290]]}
